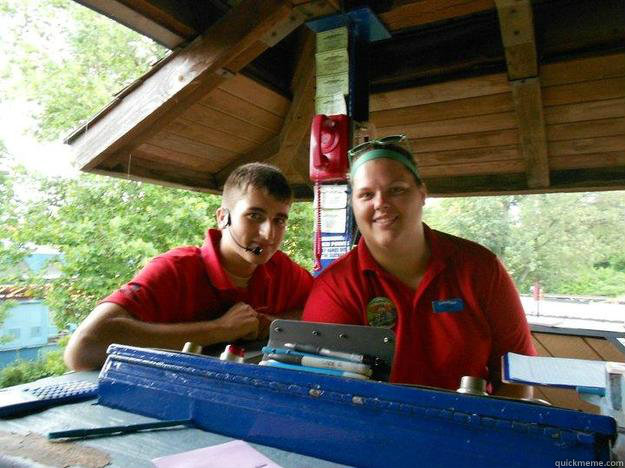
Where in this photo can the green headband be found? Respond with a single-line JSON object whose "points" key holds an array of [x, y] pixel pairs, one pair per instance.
{"points": [[384, 153]]}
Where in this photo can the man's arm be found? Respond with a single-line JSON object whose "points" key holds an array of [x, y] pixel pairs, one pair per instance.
{"points": [[110, 323]]}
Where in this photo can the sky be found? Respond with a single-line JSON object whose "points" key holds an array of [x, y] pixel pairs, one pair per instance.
{"points": [[50, 158]]}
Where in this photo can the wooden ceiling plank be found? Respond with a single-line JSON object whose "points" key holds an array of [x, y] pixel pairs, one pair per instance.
{"points": [[462, 142], [461, 126], [415, 13], [236, 107], [297, 122], [590, 129], [585, 69], [203, 134], [472, 169], [260, 153], [517, 33], [587, 161], [189, 75], [168, 33], [587, 145], [163, 176], [585, 91], [466, 156], [585, 111], [532, 134], [254, 92], [489, 104], [233, 126], [152, 152], [587, 180], [440, 92], [171, 141]]}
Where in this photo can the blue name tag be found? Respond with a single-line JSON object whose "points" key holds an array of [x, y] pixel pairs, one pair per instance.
{"points": [[448, 305]]}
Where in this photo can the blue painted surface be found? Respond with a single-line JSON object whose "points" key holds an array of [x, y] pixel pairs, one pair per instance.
{"points": [[24, 354], [357, 423], [29, 324]]}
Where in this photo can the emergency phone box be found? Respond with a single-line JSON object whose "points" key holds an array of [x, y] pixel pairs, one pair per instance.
{"points": [[354, 422]]}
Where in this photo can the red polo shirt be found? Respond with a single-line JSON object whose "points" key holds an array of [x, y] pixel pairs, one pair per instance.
{"points": [[189, 284], [465, 313]]}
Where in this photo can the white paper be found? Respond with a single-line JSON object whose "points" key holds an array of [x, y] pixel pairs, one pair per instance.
{"points": [[231, 454], [555, 371], [333, 221], [332, 197]]}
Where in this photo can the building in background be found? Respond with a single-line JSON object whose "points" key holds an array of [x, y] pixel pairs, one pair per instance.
{"points": [[28, 330]]}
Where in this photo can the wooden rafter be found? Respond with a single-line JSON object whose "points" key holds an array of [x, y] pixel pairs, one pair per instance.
{"points": [[166, 31], [297, 122], [532, 135], [517, 33], [240, 36]]}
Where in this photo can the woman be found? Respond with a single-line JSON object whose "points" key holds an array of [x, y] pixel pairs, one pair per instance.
{"points": [[454, 309]]}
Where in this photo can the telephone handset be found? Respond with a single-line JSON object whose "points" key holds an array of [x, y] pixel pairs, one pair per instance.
{"points": [[329, 142]]}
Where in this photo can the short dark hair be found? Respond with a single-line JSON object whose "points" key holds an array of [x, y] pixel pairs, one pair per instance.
{"points": [[260, 176]]}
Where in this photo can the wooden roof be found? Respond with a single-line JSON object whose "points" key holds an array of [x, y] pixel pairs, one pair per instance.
{"points": [[496, 96]]}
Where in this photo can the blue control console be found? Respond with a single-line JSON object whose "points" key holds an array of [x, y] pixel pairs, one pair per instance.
{"points": [[353, 422]]}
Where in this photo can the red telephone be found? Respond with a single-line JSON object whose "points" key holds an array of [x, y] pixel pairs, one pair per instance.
{"points": [[329, 142]]}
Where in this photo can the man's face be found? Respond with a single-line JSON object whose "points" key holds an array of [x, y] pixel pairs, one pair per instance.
{"points": [[256, 220]]}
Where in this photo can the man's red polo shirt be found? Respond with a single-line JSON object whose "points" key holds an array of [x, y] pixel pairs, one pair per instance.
{"points": [[189, 284], [465, 313]]}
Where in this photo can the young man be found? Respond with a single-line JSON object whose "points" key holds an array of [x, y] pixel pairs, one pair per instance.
{"points": [[229, 289]]}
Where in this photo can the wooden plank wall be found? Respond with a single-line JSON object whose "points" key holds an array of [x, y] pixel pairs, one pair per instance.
{"points": [[584, 102], [469, 127], [576, 347]]}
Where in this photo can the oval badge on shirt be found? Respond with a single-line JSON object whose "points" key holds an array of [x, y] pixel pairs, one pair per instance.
{"points": [[381, 312]]}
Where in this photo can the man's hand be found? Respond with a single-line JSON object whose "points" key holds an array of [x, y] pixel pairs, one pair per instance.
{"points": [[241, 321]]}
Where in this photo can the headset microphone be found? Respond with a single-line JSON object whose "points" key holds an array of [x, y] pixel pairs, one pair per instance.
{"points": [[258, 250]]}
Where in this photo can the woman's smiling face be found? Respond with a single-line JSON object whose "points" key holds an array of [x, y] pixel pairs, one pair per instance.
{"points": [[387, 203]]}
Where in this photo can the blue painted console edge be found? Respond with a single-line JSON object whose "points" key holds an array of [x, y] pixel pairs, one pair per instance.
{"points": [[353, 422]]}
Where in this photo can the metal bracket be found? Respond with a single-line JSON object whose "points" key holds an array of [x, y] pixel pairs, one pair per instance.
{"points": [[375, 341]]}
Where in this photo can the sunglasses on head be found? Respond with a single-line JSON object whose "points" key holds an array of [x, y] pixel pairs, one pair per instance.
{"points": [[379, 142]]}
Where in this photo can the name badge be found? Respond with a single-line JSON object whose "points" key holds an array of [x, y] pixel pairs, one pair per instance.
{"points": [[448, 305]]}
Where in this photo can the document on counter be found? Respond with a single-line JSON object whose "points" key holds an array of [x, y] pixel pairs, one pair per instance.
{"points": [[559, 372], [235, 453]]}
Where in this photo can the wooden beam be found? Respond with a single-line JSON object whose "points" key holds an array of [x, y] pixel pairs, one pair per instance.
{"points": [[297, 122], [517, 33], [576, 180], [532, 134], [188, 76], [414, 13], [168, 31]]}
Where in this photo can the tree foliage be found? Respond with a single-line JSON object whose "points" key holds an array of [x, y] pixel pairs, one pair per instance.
{"points": [[69, 60], [571, 243]]}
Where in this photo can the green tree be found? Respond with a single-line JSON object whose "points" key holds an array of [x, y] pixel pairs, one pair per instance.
{"points": [[69, 60], [571, 243]]}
